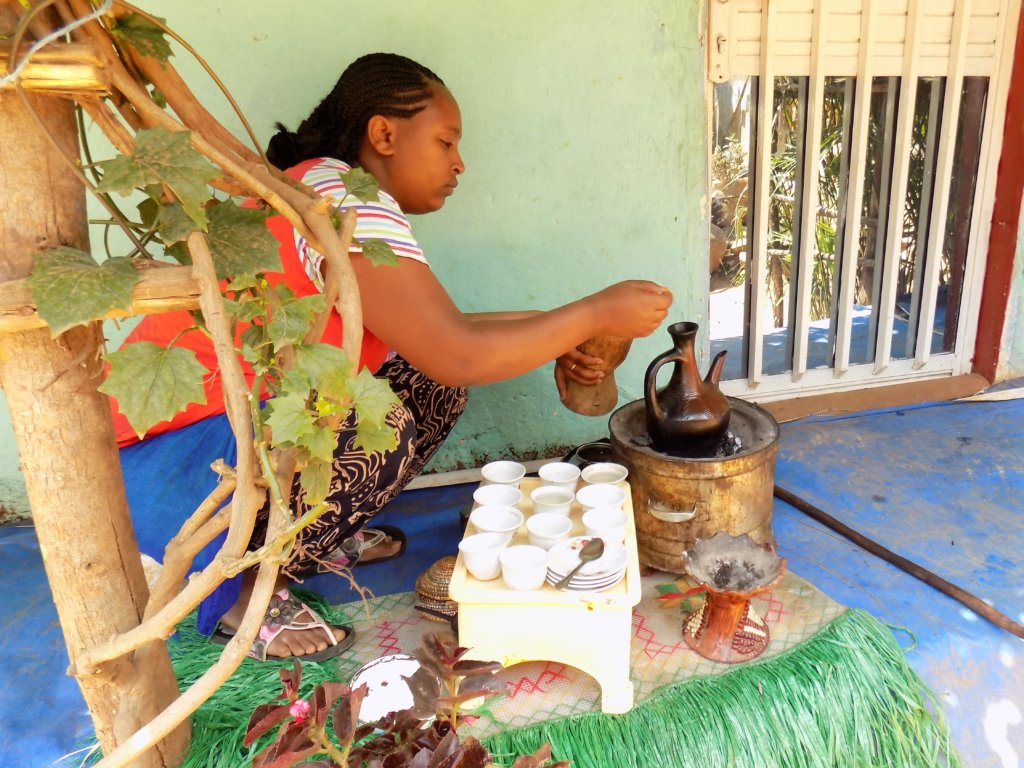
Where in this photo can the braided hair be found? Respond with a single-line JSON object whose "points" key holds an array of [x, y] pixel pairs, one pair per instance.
{"points": [[375, 84]]}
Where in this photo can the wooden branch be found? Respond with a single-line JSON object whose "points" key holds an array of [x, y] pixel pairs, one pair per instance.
{"points": [[305, 210], [162, 289], [60, 68], [93, 32], [921, 573], [182, 549], [201, 690], [112, 128], [180, 98], [245, 173], [330, 243], [242, 521], [247, 497], [333, 287]]}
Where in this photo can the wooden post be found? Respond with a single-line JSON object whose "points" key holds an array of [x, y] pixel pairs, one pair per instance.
{"points": [[66, 443]]}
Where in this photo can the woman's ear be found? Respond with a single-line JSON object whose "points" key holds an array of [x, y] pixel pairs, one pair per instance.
{"points": [[380, 134]]}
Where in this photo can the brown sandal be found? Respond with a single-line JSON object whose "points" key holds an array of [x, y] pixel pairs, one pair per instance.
{"points": [[281, 615]]}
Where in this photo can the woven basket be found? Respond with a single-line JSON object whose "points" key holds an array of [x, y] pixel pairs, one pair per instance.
{"points": [[432, 591]]}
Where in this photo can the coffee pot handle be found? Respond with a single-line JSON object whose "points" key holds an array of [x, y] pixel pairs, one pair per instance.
{"points": [[651, 382]]}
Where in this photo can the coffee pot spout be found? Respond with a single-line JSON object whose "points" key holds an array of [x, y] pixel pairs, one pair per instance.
{"points": [[715, 371]]}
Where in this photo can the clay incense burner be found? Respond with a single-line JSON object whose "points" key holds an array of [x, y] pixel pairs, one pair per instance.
{"points": [[733, 569]]}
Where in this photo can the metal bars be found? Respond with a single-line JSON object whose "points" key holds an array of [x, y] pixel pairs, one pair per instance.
{"points": [[847, 266], [874, 169], [886, 304]]}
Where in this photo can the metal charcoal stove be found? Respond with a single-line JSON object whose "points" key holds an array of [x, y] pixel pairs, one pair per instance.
{"points": [[678, 500]]}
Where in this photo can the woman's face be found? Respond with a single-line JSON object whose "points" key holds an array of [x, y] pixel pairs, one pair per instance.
{"points": [[420, 164]]}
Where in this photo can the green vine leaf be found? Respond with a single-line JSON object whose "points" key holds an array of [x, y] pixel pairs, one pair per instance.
{"points": [[152, 383], [240, 242], [361, 185], [379, 253], [142, 35], [174, 223], [291, 320], [70, 288], [374, 439], [373, 398], [162, 156], [315, 479], [179, 252], [246, 309], [289, 419], [149, 210], [320, 443], [328, 368]]}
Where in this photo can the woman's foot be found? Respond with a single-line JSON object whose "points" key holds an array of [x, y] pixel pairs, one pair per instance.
{"points": [[288, 642], [389, 547]]}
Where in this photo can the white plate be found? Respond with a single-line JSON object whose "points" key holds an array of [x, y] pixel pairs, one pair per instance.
{"points": [[574, 586], [580, 580], [587, 579], [388, 691], [564, 556]]}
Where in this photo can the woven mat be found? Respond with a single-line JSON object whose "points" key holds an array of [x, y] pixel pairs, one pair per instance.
{"points": [[832, 690], [541, 691]]}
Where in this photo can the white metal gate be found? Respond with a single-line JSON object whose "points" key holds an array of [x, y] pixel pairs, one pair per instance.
{"points": [[854, 152]]}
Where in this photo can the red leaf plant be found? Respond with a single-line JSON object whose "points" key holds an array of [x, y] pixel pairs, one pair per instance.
{"points": [[423, 736]]}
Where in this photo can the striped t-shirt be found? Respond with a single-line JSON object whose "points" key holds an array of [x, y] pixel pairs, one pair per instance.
{"points": [[382, 220]]}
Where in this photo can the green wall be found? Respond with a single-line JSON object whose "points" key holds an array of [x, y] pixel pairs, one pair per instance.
{"points": [[584, 144]]}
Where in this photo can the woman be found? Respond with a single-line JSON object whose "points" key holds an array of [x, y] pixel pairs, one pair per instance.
{"points": [[396, 120]]}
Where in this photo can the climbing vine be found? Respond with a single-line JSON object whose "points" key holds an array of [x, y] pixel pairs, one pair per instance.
{"points": [[205, 200]]}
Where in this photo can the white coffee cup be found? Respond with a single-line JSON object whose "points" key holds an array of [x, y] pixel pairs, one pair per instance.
{"points": [[601, 495], [551, 498], [523, 566], [608, 523], [559, 473], [606, 472], [481, 551], [545, 529], [495, 519], [502, 472], [497, 495]]}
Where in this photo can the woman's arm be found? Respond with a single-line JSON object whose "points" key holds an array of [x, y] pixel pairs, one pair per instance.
{"points": [[476, 317], [407, 308]]}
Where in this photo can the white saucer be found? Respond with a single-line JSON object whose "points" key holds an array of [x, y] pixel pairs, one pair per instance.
{"points": [[388, 690], [564, 556], [594, 586]]}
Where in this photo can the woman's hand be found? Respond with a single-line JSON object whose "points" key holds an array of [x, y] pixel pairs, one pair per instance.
{"points": [[632, 308], [578, 367]]}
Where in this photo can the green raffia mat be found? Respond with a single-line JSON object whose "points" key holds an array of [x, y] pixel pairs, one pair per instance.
{"points": [[218, 726], [845, 697]]}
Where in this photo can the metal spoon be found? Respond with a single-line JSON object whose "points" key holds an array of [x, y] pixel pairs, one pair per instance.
{"points": [[592, 550]]}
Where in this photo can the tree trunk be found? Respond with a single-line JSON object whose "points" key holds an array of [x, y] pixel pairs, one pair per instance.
{"points": [[66, 443]]}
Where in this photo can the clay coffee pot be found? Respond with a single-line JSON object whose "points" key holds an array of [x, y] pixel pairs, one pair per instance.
{"points": [[689, 415]]}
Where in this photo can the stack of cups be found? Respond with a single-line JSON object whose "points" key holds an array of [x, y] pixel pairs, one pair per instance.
{"points": [[552, 503], [495, 518], [602, 499]]}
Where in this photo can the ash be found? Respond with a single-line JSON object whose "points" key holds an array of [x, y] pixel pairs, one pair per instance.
{"points": [[736, 576], [728, 445]]}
